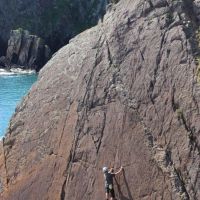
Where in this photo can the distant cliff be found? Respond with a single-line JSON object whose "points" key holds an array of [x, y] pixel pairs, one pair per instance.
{"points": [[56, 21], [53, 22], [25, 51], [125, 92]]}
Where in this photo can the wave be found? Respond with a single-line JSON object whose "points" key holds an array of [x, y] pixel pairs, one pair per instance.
{"points": [[15, 71]]}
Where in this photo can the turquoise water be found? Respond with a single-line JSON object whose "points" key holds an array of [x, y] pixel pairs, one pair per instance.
{"points": [[12, 89]]}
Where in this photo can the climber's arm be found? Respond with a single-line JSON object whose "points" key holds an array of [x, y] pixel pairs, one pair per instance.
{"points": [[120, 170], [111, 171]]}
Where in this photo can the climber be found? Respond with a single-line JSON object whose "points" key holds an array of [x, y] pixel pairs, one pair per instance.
{"points": [[109, 175]]}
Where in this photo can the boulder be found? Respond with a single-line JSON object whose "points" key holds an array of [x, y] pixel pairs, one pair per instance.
{"points": [[125, 92]]}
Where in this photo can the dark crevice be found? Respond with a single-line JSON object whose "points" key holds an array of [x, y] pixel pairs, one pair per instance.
{"points": [[195, 100], [175, 105], [62, 196], [66, 174], [180, 185], [142, 55], [82, 110], [193, 139], [155, 72], [109, 54], [184, 123], [150, 3], [86, 99]]}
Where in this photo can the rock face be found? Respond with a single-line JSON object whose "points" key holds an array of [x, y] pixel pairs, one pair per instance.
{"points": [[26, 50], [125, 92], [4, 63], [56, 21]]}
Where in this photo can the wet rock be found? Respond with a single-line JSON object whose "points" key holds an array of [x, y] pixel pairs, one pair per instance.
{"points": [[125, 92]]}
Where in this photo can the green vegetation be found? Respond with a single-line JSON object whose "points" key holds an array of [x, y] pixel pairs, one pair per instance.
{"points": [[179, 113], [198, 74], [46, 20], [55, 21], [115, 66], [53, 14], [20, 30], [66, 8], [197, 61], [197, 58], [198, 36], [176, 1]]}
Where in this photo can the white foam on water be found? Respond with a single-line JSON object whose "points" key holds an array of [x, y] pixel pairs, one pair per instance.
{"points": [[15, 71], [21, 71]]}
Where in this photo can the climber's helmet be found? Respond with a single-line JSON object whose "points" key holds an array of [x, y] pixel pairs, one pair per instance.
{"points": [[105, 169]]}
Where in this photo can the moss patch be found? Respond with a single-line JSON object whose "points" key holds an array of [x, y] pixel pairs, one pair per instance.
{"points": [[198, 74], [197, 62], [179, 113]]}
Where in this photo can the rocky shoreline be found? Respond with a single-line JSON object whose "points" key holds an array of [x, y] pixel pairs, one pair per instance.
{"points": [[25, 51]]}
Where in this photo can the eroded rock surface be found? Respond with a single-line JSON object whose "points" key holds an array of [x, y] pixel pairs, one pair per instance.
{"points": [[125, 92]]}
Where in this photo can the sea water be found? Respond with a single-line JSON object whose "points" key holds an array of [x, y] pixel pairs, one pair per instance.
{"points": [[13, 86]]}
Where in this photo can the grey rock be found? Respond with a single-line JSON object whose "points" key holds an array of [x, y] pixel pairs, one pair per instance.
{"points": [[26, 50]]}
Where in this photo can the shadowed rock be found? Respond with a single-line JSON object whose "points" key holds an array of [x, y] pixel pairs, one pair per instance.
{"points": [[27, 51]]}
